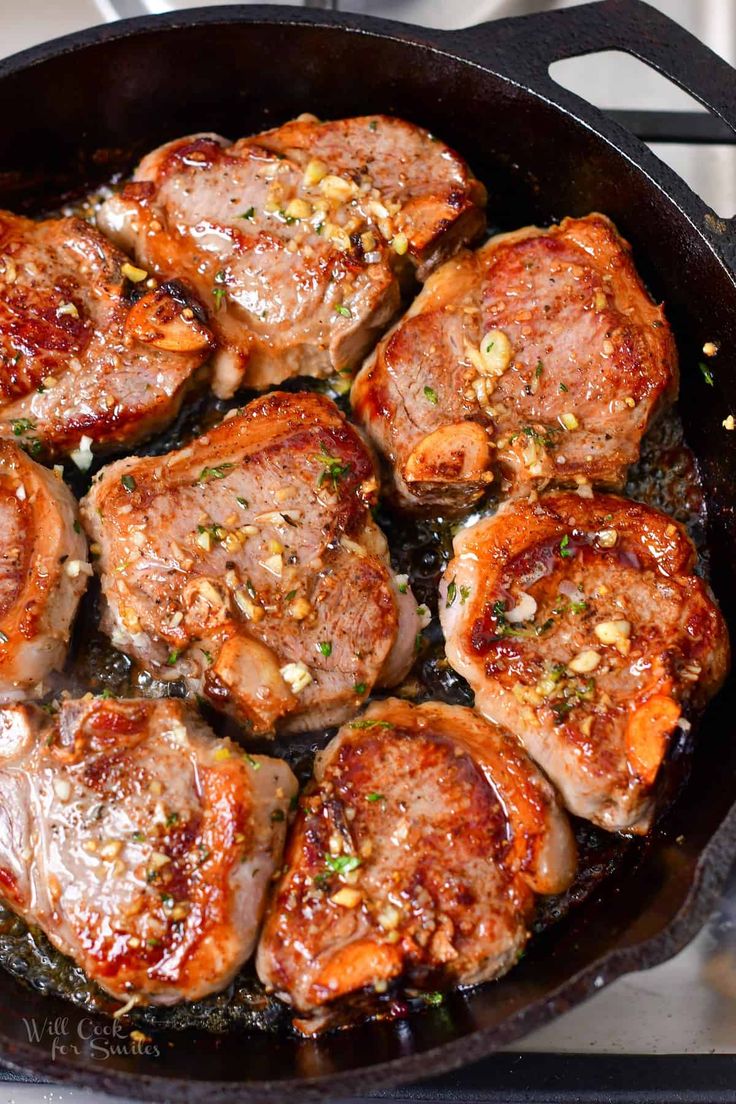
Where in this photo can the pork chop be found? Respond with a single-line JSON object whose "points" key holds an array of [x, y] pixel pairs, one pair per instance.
{"points": [[138, 843], [249, 565], [540, 356], [43, 572], [83, 355], [581, 626], [416, 855], [298, 238]]}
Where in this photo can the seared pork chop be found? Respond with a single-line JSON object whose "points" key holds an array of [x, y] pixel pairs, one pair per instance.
{"points": [[249, 565], [298, 237], [540, 355], [43, 572], [580, 625], [138, 843], [416, 855], [81, 357]]}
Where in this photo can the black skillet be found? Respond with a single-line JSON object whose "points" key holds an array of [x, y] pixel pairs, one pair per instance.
{"points": [[76, 110]]}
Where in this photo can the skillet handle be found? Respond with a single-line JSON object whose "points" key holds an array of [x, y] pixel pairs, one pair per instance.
{"points": [[534, 42], [523, 47], [628, 25]]}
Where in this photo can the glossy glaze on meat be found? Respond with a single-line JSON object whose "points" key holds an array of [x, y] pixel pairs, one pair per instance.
{"points": [[43, 572], [249, 565], [138, 843], [298, 238], [540, 357], [580, 625], [79, 358], [416, 855]]}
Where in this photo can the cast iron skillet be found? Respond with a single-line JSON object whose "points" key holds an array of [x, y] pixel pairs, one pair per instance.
{"points": [[77, 109]]}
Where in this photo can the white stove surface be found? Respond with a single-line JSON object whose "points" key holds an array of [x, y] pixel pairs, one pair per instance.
{"points": [[687, 1005]]}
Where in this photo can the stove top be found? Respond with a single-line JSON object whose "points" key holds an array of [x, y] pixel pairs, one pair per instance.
{"points": [[668, 1032]]}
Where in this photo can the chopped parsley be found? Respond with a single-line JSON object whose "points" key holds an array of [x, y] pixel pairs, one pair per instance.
{"points": [[325, 647], [20, 426], [277, 815], [128, 482], [249, 214], [4, 638], [521, 630], [538, 370], [366, 722], [290, 596], [372, 125], [433, 998], [218, 472], [241, 501], [572, 606], [563, 387], [464, 594], [545, 439], [342, 864], [431, 395], [173, 657], [374, 797], [332, 469], [172, 819], [346, 312], [252, 762], [215, 532], [451, 593], [707, 374], [31, 445], [572, 695], [360, 688], [565, 550], [219, 292]]}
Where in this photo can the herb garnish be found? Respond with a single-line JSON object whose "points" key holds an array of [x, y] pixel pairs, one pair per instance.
{"points": [[21, 426], [522, 630], [218, 472], [333, 469], [342, 864]]}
